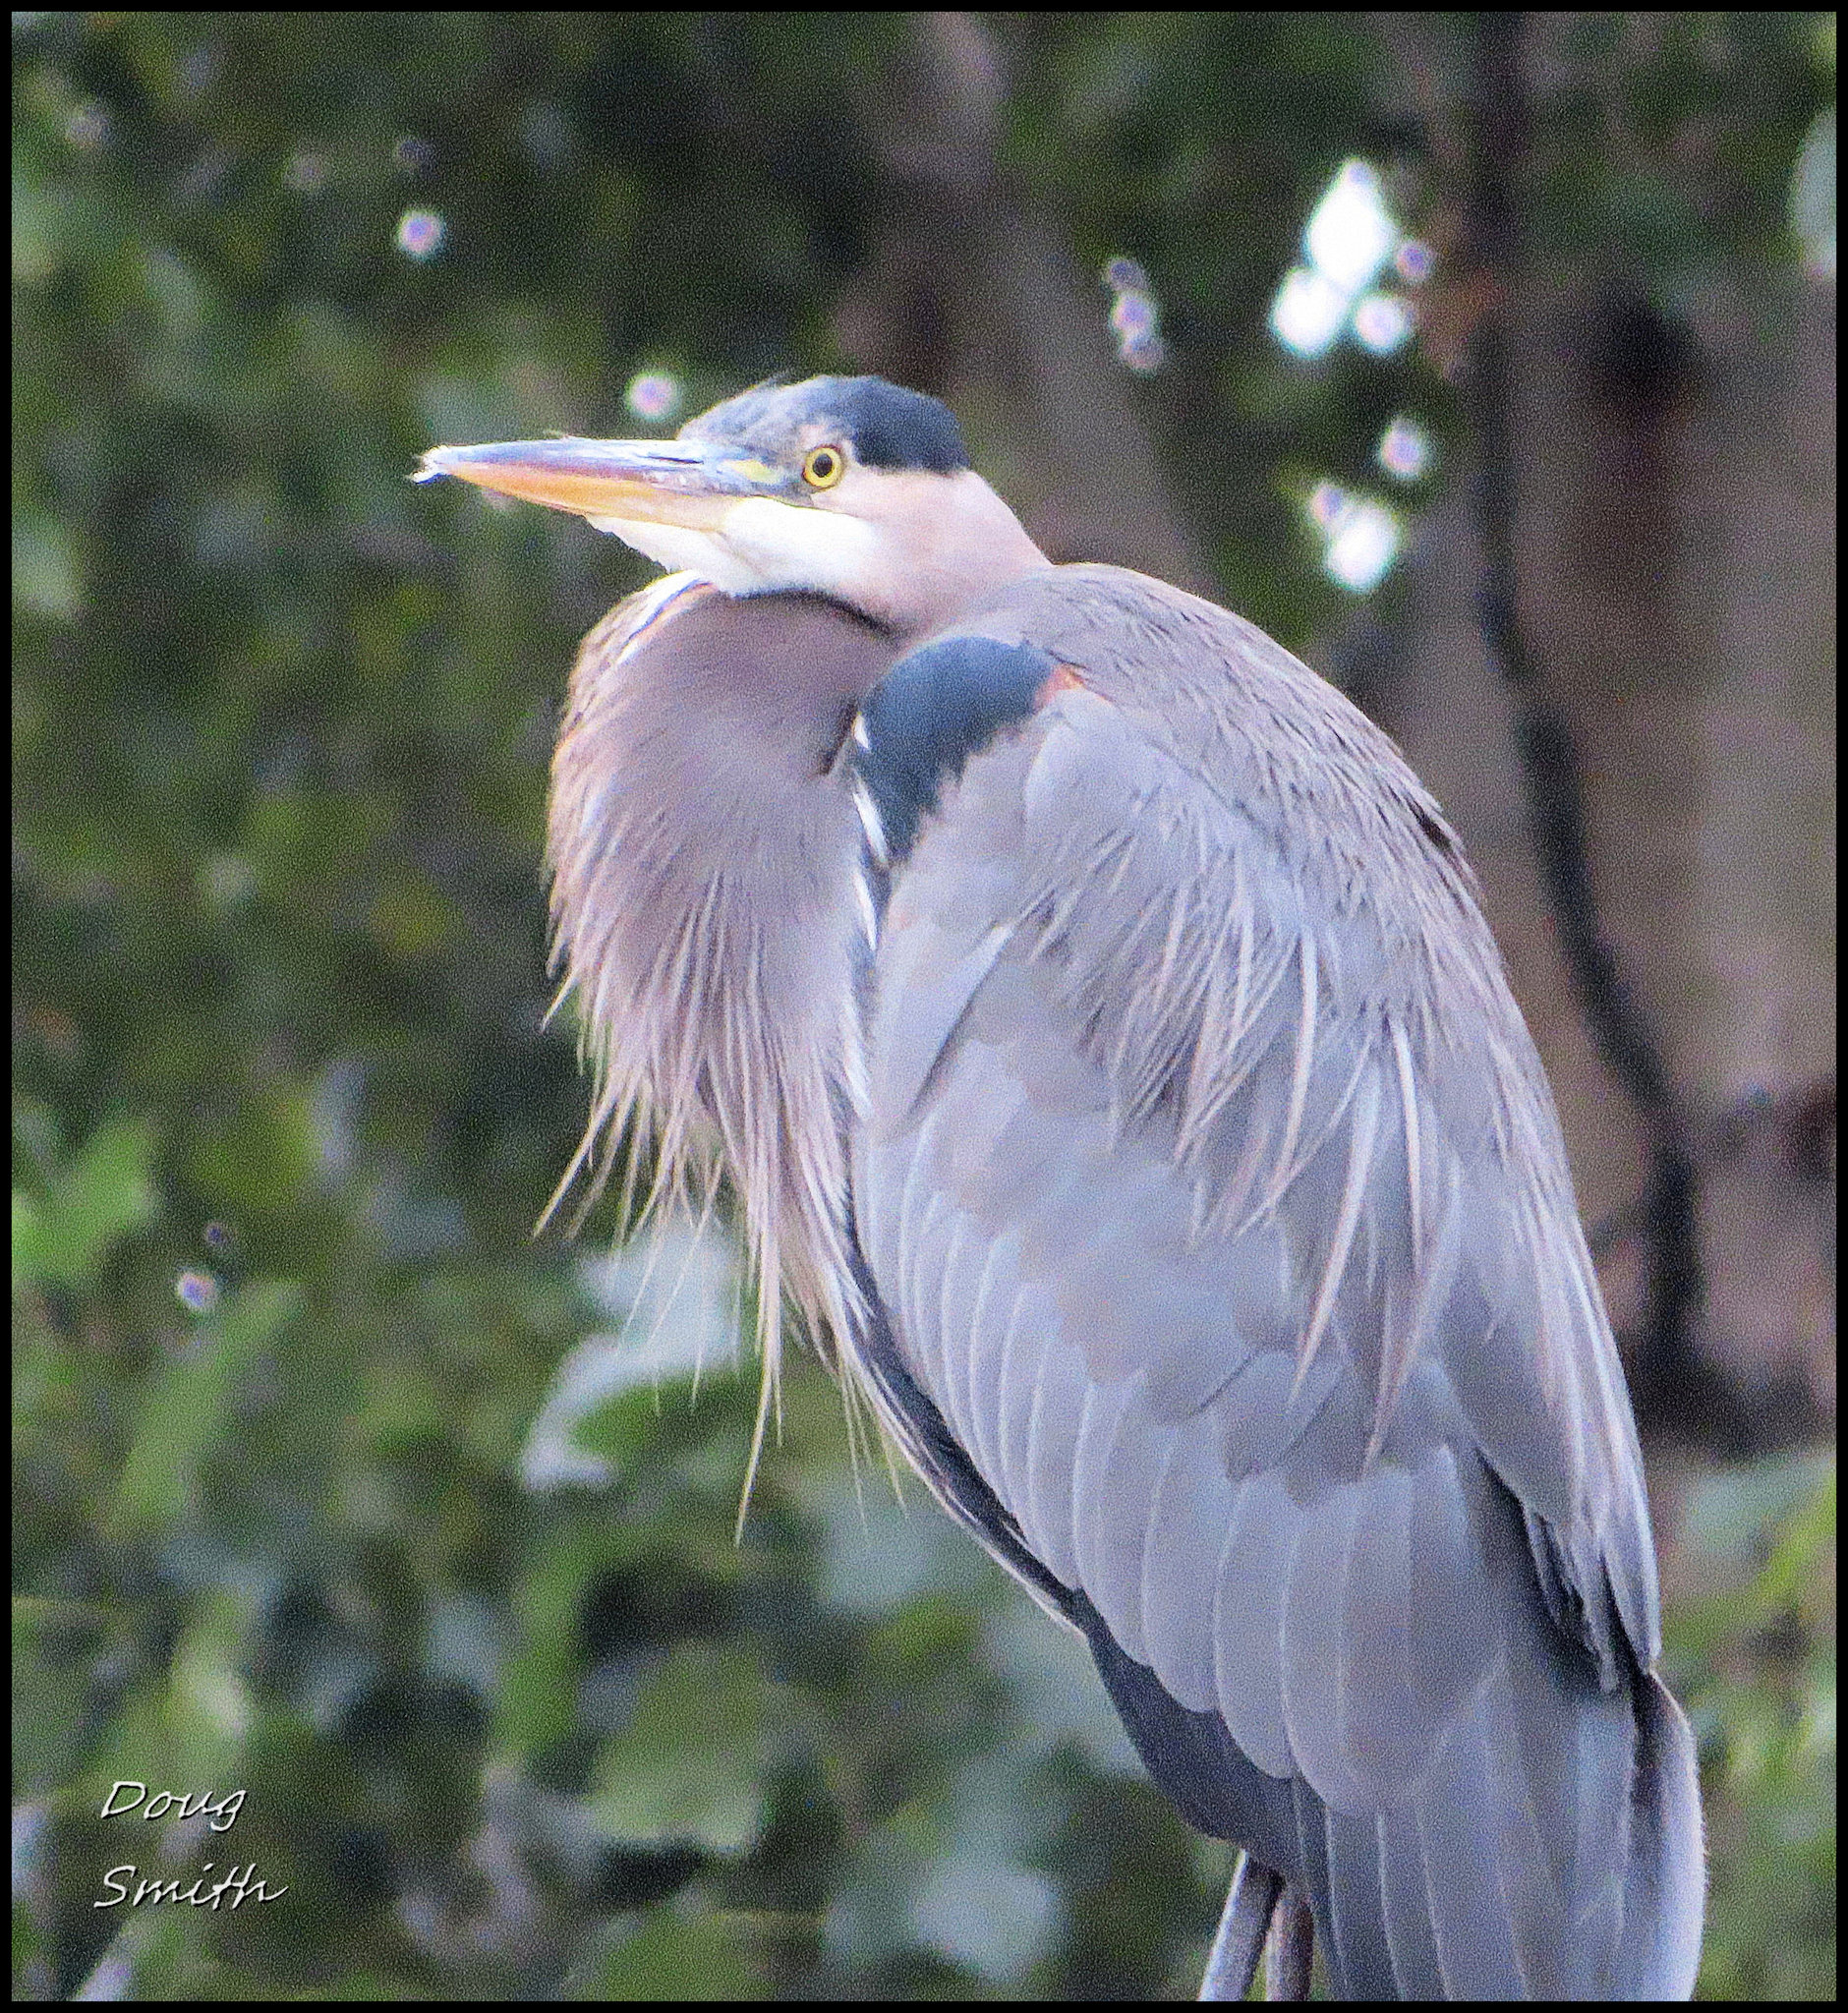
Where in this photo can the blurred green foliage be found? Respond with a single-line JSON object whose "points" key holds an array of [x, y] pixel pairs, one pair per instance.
{"points": [[1762, 1637], [306, 1502]]}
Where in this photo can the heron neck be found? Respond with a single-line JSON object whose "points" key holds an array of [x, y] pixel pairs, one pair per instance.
{"points": [[962, 545]]}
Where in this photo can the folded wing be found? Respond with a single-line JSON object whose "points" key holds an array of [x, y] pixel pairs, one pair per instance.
{"points": [[1213, 1198]]}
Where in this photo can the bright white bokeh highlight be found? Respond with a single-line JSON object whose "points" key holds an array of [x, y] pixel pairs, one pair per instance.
{"points": [[1351, 238], [1350, 243], [1362, 547], [1361, 537], [1308, 313], [1351, 233]]}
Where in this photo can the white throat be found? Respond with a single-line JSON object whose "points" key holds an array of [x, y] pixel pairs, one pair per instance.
{"points": [[916, 552]]}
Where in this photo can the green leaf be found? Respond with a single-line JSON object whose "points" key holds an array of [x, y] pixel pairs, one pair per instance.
{"points": [[183, 1418], [673, 1956], [693, 1763], [62, 1235]]}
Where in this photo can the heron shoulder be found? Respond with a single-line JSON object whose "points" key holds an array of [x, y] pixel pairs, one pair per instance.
{"points": [[1242, 734]]}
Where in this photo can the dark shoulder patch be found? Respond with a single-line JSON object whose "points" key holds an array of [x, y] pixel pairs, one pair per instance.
{"points": [[930, 712]]}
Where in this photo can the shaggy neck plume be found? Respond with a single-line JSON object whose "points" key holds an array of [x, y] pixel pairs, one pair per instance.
{"points": [[712, 955]]}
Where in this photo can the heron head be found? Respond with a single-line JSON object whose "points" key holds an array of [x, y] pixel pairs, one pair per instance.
{"points": [[849, 488]]}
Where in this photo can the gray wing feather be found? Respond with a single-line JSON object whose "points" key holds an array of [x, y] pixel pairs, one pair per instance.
{"points": [[1117, 1458], [1460, 1828], [1188, 1511], [985, 1312], [948, 1296], [1356, 1913], [1025, 1369], [1247, 1625], [1405, 1909], [1226, 1221], [1665, 1882], [1054, 1422]]}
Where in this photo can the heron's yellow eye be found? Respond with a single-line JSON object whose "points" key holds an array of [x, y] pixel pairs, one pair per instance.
{"points": [[822, 467]]}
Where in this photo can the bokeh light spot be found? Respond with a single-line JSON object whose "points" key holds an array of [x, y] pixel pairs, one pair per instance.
{"points": [[1144, 353], [1405, 449], [420, 234], [652, 396], [197, 1291], [1122, 275], [1383, 322], [1132, 315], [1327, 500], [1134, 318], [1415, 261], [1350, 232], [1363, 544], [1308, 313]]}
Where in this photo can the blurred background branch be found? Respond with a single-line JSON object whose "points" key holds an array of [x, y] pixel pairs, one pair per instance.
{"points": [[1663, 1358]]}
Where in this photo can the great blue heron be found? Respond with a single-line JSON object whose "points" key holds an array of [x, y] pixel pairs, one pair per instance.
{"points": [[1096, 1019]]}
